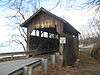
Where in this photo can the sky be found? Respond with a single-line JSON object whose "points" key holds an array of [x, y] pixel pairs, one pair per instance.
{"points": [[78, 18]]}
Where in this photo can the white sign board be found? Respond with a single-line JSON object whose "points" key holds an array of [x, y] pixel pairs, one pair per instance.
{"points": [[62, 40]]}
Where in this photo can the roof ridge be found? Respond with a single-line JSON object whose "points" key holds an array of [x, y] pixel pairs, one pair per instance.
{"points": [[49, 13]]}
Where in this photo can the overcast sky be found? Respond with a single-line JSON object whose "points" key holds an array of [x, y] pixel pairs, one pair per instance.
{"points": [[76, 17]]}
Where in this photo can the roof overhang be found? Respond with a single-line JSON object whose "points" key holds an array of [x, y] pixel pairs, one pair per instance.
{"points": [[66, 26]]}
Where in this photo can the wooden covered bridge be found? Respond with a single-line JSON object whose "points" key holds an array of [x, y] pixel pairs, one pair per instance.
{"points": [[44, 33]]}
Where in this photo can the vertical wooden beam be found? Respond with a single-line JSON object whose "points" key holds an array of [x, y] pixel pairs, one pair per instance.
{"points": [[66, 52], [35, 32], [69, 54], [39, 33], [48, 40], [54, 35], [59, 41], [43, 34], [65, 49], [28, 38], [48, 34], [77, 40], [29, 31]]}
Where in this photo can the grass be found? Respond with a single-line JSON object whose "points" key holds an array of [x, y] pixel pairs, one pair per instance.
{"points": [[86, 59]]}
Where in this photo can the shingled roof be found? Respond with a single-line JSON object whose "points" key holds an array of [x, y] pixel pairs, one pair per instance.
{"points": [[67, 27]]}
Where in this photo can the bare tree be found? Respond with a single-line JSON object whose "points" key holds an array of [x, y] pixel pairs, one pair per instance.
{"points": [[94, 22], [22, 8], [19, 39], [94, 26], [93, 2]]}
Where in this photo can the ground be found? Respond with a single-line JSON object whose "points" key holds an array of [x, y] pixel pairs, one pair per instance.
{"points": [[87, 66], [59, 70]]}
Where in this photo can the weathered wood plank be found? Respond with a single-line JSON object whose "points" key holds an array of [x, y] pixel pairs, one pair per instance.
{"points": [[10, 67]]}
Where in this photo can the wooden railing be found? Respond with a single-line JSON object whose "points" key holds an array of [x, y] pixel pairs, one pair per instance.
{"points": [[12, 55], [15, 55], [18, 55]]}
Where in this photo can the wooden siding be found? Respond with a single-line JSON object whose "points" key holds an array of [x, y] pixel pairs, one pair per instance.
{"points": [[43, 20], [69, 51]]}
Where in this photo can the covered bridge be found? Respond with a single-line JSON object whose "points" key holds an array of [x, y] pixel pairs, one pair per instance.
{"points": [[44, 31]]}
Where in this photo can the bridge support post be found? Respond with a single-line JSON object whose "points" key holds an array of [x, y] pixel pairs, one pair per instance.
{"points": [[27, 70], [53, 59], [45, 65]]}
